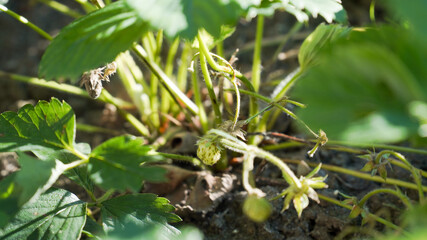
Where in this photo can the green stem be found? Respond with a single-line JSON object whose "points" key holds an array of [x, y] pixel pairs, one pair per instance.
{"points": [[126, 115], [267, 119], [128, 73], [196, 162], [62, 87], [166, 81], [209, 86], [295, 28], [254, 125], [404, 199], [372, 11], [256, 65], [248, 166], [105, 196], [183, 67], [61, 8], [412, 169], [236, 145], [373, 216], [149, 43], [198, 99], [167, 102], [361, 175], [26, 22], [217, 67], [378, 146], [98, 3], [77, 163], [220, 48], [282, 145], [86, 5], [274, 103]]}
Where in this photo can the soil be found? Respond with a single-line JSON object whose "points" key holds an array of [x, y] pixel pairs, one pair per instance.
{"points": [[215, 206]]}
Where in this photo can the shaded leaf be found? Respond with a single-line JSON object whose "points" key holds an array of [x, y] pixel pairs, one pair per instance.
{"points": [[57, 214], [121, 163], [414, 12], [26, 185], [138, 211], [184, 18], [48, 125], [94, 229], [92, 41], [361, 88]]}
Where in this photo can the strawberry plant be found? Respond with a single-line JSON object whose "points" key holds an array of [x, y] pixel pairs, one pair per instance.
{"points": [[373, 97]]}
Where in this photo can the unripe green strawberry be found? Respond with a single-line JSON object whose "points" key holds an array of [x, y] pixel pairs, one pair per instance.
{"points": [[208, 152], [256, 208]]}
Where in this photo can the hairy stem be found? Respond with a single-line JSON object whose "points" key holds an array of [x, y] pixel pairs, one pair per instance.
{"points": [[373, 216], [209, 86], [198, 99], [26, 22], [61, 8], [62, 87], [404, 199], [256, 80], [166, 81]]}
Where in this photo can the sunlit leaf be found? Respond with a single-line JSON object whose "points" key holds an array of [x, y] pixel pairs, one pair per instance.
{"points": [[48, 125]]}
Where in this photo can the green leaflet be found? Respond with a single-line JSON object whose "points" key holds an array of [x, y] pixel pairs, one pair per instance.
{"points": [[184, 18], [361, 88], [92, 41], [48, 125], [97, 38], [120, 163], [57, 214], [329, 9]]}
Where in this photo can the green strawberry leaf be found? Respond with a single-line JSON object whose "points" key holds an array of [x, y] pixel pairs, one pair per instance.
{"points": [[57, 214], [34, 178], [184, 18], [414, 13], [361, 88], [92, 41], [121, 163], [329, 9], [138, 210], [97, 38], [48, 125]]}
